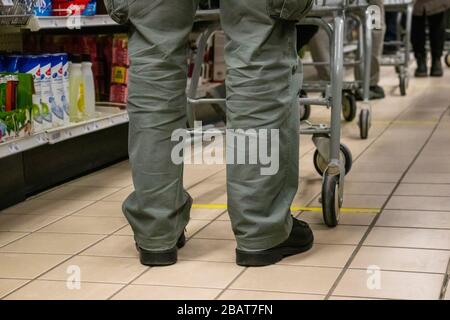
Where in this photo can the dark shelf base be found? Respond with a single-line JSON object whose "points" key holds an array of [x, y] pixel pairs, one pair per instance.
{"points": [[39, 169]]}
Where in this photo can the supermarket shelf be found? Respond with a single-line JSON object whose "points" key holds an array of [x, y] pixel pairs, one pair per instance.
{"points": [[101, 20], [86, 127], [22, 144], [71, 22], [107, 118]]}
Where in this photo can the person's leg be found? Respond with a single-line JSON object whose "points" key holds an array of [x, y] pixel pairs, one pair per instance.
{"points": [[436, 24], [262, 93], [418, 38], [376, 92], [158, 209], [320, 52]]}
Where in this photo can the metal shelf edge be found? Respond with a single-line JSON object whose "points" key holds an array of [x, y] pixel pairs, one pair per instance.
{"points": [[56, 135]]}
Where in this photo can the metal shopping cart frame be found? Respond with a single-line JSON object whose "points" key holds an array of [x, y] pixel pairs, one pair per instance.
{"points": [[332, 159], [361, 13], [401, 59]]}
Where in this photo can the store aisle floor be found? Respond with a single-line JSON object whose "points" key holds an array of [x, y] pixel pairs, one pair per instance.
{"points": [[393, 241]]}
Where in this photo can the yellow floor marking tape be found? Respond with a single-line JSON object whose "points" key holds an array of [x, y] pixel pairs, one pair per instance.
{"points": [[309, 209]]}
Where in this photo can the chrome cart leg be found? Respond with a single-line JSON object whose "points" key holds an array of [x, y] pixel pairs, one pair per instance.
{"points": [[192, 91], [404, 74], [365, 116], [333, 178]]}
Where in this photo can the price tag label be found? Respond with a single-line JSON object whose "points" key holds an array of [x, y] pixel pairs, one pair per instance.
{"points": [[7, 3]]}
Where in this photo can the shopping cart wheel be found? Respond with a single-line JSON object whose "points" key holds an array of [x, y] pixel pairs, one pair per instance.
{"points": [[305, 110], [447, 59], [331, 202], [403, 85], [346, 156], [364, 123], [349, 108]]}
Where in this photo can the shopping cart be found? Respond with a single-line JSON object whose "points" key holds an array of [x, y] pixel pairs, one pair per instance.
{"points": [[332, 159], [16, 12], [358, 12], [401, 58]]}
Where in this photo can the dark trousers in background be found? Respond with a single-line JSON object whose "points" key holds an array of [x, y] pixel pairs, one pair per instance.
{"points": [[436, 24]]}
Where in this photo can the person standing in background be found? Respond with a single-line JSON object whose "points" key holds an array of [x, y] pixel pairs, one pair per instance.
{"points": [[434, 12], [320, 51]]}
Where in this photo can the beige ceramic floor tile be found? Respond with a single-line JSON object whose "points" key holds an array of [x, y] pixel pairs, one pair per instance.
{"points": [[393, 285], [68, 192], [140, 292], [9, 285], [350, 298], [369, 188], [52, 243], [48, 207], [347, 218], [447, 296], [294, 279], [399, 259], [7, 237], [125, 231], [217, 230], [114, 246], [24, 223], [409, 238], [265, 295], [335, 256], [116, 178], [208, 250], [194, 226], [196, 274], [349, 235], [415, 219], [419, 203], [102, 209], [425, 177], [27, 266], [359, 201], [99, 269], [87, 225], [58, 290], [373, 177], [422, 189], [205, 214], [120, 195]]}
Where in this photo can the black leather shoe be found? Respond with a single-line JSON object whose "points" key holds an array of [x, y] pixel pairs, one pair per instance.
{"points": [[300, 240], [375, 93], [422, 70], [436, 68], [166, 257]]}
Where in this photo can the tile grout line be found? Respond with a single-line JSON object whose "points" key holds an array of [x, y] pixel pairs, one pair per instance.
{"points": [[187, 240], [377, 217], [309, 203]]}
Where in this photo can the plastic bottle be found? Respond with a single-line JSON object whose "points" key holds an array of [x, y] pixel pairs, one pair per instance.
{"points": [[89, 87], [56, 103], [46, 90], [76, 90]]}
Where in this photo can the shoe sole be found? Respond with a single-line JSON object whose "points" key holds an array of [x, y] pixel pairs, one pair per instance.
{"points": [[163, 258], [268, 257]]}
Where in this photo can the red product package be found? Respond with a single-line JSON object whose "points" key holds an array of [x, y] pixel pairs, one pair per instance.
{"points": [[68, 7]]}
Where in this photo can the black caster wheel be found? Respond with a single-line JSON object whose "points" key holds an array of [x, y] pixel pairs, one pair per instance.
{"points": [[447, 59], [364, 123], [403, 86], [331, 202], [349, 106], [305, 110], [321, 164]]}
